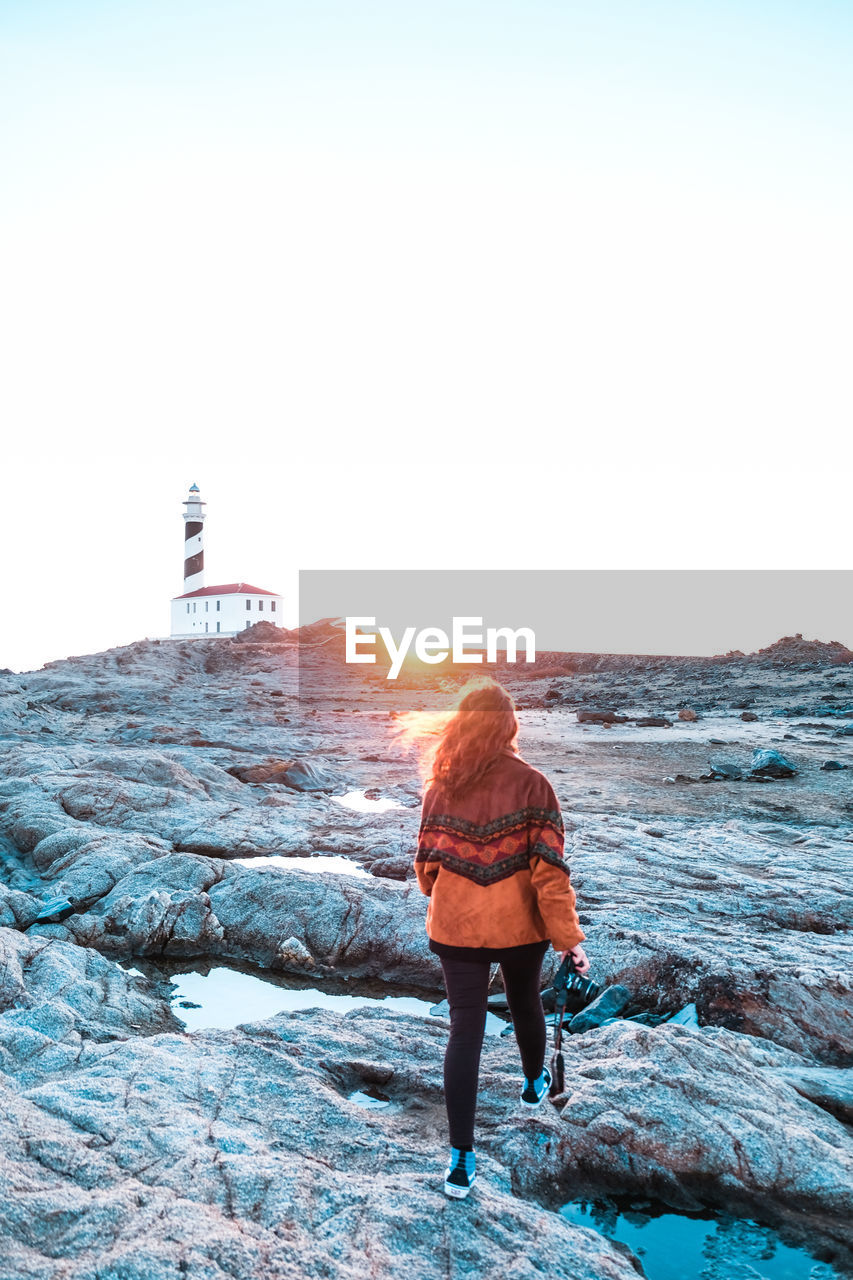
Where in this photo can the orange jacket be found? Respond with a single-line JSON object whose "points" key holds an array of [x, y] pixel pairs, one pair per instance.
{"points": [[492, 862]]}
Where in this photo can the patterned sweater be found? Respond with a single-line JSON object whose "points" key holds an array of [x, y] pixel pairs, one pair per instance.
{"points": [[492, 862]]}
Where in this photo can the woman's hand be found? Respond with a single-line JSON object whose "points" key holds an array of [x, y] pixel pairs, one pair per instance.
{"points": [[579, 959]]}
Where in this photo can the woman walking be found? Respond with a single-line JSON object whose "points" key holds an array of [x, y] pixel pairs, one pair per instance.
{"points": [[490, 860]]}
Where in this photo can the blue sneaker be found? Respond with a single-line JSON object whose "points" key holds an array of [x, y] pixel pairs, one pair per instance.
{"points": [[535, 1091], [459, 1175]]}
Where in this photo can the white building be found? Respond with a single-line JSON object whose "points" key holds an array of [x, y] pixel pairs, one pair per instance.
{"points": [[223, 611], [216, 611]]}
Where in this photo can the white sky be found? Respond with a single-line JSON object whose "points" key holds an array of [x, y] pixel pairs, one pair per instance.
{"points": [[481, 285]]}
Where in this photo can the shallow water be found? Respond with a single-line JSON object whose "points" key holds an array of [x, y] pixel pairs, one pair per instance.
{"points": [[323, 862], [375, 1101], [561, 725], [228, 997], [362, 804], [678, 1246]]}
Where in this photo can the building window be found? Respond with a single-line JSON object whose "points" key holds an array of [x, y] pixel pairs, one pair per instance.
{"points": [[188, 606], [260, 606], [217, 626], [205, 626], [272, 606], [248, 624], [218, 603], [205, 606], [248, 604], [193, 606]]}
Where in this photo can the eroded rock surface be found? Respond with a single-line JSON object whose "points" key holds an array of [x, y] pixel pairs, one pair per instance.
{"points": [[242, 1153], [131, 781]]}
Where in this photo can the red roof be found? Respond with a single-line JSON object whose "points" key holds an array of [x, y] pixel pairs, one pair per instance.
{"points": [[229, 589]]}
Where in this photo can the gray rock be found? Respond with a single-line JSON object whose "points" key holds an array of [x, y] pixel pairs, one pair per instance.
{"points": [[728, 769], [54, 911], [771, 764], [303, 775], [611, 1001], [637, 1121], [293, 954], [602, 716], [54, 996], [242, 1153], [18, 910], [252, 1134], [298, 775], [829, 1088]]}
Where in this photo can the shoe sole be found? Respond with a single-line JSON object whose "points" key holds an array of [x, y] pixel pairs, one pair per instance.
{"points": [[531, 1106], [456, 1193]]}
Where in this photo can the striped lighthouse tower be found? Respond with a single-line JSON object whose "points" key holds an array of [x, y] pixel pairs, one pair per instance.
{"points": [[193, 540]]}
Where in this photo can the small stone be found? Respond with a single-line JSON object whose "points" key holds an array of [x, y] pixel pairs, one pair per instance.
{"points": [[687, 713], [771, 764], [728, 770], [608, 716], [54, 910], [748, 715], [294, 952], [610, 1003], [832, 765]]}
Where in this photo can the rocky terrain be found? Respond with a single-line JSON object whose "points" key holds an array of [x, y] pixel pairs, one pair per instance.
{"points": [[171, 794]]}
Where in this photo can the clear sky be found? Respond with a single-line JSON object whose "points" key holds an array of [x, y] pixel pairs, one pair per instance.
{"points": [[469, 284]]}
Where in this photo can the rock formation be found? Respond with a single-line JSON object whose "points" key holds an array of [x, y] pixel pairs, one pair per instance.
{"points": [[142, 783]]}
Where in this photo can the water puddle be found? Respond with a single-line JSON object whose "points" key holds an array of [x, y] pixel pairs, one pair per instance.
{"points": [[225, 997], [494, 1026], [372, 1100], [681, 1246], [323, 862], [364, 803]]}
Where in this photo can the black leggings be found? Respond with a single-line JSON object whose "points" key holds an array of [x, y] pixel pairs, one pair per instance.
{"points": [[467, 984]]}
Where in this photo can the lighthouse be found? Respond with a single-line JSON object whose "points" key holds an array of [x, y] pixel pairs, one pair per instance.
{"points": [[193, 539], [215, 611]]}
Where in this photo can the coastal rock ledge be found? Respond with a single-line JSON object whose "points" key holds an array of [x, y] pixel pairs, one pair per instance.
{"points": [[243, 1152], [151, 791]]}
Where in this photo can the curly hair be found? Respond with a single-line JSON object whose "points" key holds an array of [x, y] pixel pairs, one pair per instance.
{"points": [[483, 725]]}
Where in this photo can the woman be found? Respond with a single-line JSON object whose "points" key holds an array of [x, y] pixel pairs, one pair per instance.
{"points": [[490, 860]]}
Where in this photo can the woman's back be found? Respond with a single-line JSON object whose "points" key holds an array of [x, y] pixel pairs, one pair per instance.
{"points": [[491, 861]]}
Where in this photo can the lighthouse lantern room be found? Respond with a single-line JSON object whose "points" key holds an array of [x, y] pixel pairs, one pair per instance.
{"points": [[215, 611]]}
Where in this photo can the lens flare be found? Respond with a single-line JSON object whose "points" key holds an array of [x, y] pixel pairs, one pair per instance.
{"points": [[420, 732]]}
